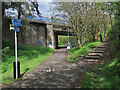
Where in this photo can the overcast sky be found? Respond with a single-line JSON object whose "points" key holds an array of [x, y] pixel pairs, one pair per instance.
{"points": [[44, 8]]}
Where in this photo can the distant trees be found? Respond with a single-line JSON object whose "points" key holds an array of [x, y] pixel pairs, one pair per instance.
{"points": [[64, 40]]}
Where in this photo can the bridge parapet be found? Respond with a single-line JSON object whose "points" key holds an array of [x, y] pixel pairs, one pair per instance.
{"points": [[61, 27]]}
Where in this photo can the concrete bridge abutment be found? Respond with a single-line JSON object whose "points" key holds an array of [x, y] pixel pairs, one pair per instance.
{"points": [[51, 43]]}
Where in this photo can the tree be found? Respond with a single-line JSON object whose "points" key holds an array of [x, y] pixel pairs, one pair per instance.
{"points": [[34, 7], [114, 33], [89, 20], [23, 8]]}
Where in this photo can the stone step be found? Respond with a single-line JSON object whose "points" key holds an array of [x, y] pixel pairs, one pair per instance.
{"points": [[92, 57], [95, 54], [91, 60], [100, 47], [94, 51]]}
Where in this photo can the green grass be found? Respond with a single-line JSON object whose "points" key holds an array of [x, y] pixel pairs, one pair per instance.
{"points": [[60, 45], [73, 50], [103, 75], [29, 57], [76, 52]]}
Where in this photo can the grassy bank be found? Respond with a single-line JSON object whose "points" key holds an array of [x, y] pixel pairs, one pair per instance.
{"points": [[103, 75], [29, 57], [75, 53]]}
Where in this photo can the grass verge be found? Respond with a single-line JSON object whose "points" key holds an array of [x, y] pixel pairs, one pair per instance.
{"points": [[103, 75], [29, 57], [75, 53]]}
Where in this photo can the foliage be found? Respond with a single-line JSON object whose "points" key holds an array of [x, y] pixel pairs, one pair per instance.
{"points": [[29, 57], [23, 8], [102, 76], [76, 53], [88, 19], [63, 40], [106, 75], [5, 51], [7, 43], [60, 45], [114, 32], [73, 50]]}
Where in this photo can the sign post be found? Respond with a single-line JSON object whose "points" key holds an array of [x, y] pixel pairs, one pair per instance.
{"points": [[16, 53], [15, 27]]}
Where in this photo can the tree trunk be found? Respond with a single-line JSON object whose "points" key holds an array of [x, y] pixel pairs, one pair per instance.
{"points": [[93, 36], [79, 42], [101, 38], [19, 10], [104, 33], [3, 9], [111, 19]]}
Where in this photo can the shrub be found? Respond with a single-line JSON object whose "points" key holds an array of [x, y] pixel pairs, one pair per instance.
{"points": [[5, 51], [73, 50], [7, 43], [24, 53], [4, 67]]}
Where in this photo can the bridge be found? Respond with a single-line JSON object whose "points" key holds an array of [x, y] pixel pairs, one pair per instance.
{"points": [[53, 30], [38, 33]]}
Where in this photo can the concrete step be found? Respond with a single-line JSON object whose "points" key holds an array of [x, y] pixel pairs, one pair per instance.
{"points": [[92, 57]]}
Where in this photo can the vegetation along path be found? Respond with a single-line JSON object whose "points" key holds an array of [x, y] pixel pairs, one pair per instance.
{"points": [[56, 72]]}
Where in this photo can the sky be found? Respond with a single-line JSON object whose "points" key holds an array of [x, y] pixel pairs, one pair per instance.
{"points": [[44, 8]]}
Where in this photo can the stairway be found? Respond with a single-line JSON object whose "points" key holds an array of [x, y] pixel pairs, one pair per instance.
{"points": [[96, 53]]}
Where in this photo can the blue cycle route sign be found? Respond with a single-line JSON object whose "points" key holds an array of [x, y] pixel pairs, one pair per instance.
{"points": [[16, 22], [16, 28]]}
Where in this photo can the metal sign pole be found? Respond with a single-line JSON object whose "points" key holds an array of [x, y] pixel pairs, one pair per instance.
{"points": [[15, 27], [16, 53]]}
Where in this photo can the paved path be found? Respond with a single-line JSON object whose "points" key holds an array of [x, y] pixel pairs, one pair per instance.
{"points": [[55, 72]]}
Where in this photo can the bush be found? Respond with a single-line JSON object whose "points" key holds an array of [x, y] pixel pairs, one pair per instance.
{"points": [[71, 58], [5, 51], [73, 50], [24, 53], [7, 43], [4, 67], [30, 54]]}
